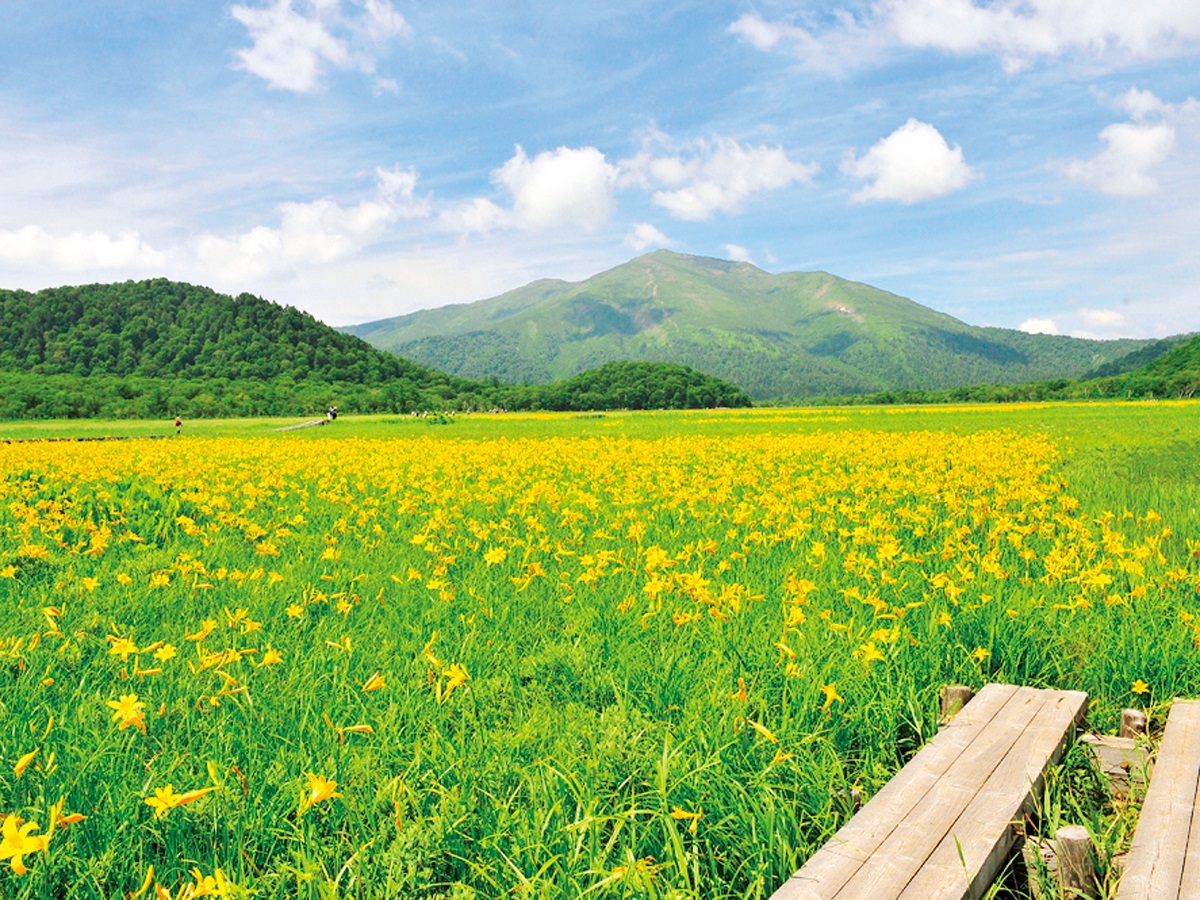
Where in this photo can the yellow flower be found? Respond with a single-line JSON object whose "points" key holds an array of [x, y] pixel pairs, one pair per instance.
{"points": [[124, 579], [980, 654], [870, 652], [319, 788], [24, 761], [121, 647], [206, 628], [680, 814], [495, 555], [456, 676], [831, 696], [160, 579], [374, 683], [129, 711], [740, 693], [294, 610], [270, 658], [9, 571], [165, 652], [1140, 687], [763, 730], [18, 841], [166, 799]]}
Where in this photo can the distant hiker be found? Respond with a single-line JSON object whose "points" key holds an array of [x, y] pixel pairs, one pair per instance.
{"points": [[178, 425]]}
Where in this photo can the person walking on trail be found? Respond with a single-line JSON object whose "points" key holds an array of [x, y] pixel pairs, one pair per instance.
{"points": [[178, 425]]}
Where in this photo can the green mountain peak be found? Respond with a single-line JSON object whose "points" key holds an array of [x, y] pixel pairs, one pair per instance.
{"points": [[790, 335]]}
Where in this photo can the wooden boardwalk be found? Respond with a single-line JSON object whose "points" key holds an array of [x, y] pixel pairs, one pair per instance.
{"points": [[1164, 861], [944, 825]]}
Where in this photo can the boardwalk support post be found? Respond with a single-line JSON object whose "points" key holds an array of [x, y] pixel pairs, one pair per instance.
{"points": [[954, 698]]}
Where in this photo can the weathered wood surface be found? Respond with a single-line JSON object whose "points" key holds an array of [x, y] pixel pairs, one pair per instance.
{"points": [[1125, 761], [944, 825], [1164, 861]]}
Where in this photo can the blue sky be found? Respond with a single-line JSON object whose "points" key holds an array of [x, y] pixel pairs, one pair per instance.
{"points": [[1028, 164]]}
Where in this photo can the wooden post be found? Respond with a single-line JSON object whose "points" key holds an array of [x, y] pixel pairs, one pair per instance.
{"points": [[1133, 723], [1065, 863], [954, 698], [1076, 869], [848, 800]]}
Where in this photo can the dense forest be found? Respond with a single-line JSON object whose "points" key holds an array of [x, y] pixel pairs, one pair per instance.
{"points": [[1171, 375], [161, 348]]}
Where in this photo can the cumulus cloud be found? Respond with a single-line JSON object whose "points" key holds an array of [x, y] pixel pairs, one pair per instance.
{"points": [[912, 164], [644, 236], [1132, 150], [704, 178], [293, 47], [77, 251], [559, 187], [736, 252], [567, 187], [321, 231], [1122, 168], [1018, 32], [1102, 318], [1038, 326]]}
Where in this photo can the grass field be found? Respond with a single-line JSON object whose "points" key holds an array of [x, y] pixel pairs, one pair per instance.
{"points": [[622, 655]]}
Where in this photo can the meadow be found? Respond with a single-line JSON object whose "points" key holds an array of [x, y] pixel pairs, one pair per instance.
{"points": [[607, 655]]}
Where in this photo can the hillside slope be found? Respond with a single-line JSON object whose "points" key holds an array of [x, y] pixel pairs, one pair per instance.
{"points": [[162, 328], [790, 335], [163, 348]]}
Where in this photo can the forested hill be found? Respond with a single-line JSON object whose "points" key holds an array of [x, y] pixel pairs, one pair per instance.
{"points": [[1171, 375], [167, 329], [161, 348]]}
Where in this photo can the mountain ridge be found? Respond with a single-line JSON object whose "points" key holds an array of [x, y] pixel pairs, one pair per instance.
{"points": [[794, 334]]}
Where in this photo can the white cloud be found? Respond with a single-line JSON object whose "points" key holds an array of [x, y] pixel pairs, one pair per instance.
{"points": [[567, 187], [736, 252], [1141, 104], [1124, 168], [766, 35], [292, 48], [479, 215], [559, 187], [1102, 318], [321, 231], [644, 236], [1018, 32], [710, 177], [1038, 326], [850, 43], [912, 164], [33, 246]]}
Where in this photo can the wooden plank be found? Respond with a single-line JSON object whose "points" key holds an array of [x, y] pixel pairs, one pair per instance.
{"points": [[897, 860], [976, 846], [828, 870], [1154, 868], [1125, 761], [1189, 884]]}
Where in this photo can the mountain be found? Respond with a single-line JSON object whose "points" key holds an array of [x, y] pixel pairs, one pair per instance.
{"points": [[164, 348], [775, 336]]}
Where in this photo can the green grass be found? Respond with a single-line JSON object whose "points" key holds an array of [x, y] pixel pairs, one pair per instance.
{"points": [[590, 715]]}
